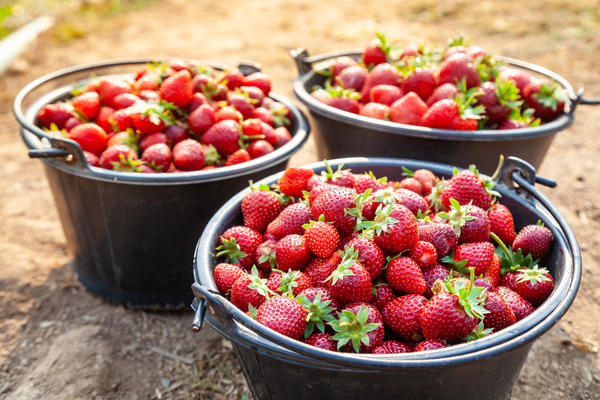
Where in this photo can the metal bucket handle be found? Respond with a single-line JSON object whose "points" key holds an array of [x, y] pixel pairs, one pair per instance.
{"points": [[68, 149], [304, 64], [515, 174]]}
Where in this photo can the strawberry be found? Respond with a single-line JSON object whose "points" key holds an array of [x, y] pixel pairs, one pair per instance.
{"points": [[369, 255], [424, 253], [228, 113], [122, 100], [254, 94], [499, 99], [90, 137], [547, 99], [292, 253], [148, 117], [382, 294], [176, 133], [470, 222], [108, 89], [260, 207], [294, 180], [382, 74], [512, 124], [120, 119], [201, 119], [322, 95], [72, 123], [290, 282], [385, 94], [249, 290], [238, 156], [492, 275], [403, 316], [239, 244], [188, 155], [410, 109], [403, 274], [456, 67], [376, 51], [411, 184], [395, 228], [340, 64], [265, 255], [534, 240], [411, 200], [332, 204], [241, 103], [225, 275], [478, 255], [467, 186], [233, 79], [259, 80], [453, 311], [128, 138], [441, 115], [198, 99], [319, 269], [350, 282], [421, 82], [535, 285], [321, 238], [339, 177], [430, 344], [177, 89], [367, 181], [322, 341], [352, 78], [345, 103], [283, 315], [518, 305], [444, 91], [259, 148], [87, 104], [57, 114], [112, 157], [158, 156], [359, 328], [224, 135], [153, 138], [290, 220], [502, 223], [320, 305], [520, 77], [375, 110], [283, 136], [432, 274], [391, 347], [500, 315], [442, 236], [91, 159]]}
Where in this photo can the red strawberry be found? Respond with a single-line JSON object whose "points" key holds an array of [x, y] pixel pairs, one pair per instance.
{"points": [[382, 74], [403, 315], [234, 79], [500, 315], [148, 118], [228, 113], [90, 137], [421, 81], [265, 255], [376, 51], [410, 109], [547, 99], [391, 347], [283, 136], [239, 244], [259, 148], [385, 94], [224, 135], [353, 78], [382, 294], [445, 91], [241, 103], [366, 181], [91, 158], [534, 240], [292, 253], [159, 156], [470, 222], [340, 64], [369, 255], [345, 103], [430, 344], [520, 77], [332, 204], [72, 123], [339, 177], [176, 133], [535, 285], [322, 341], [498, 98], [321, 238], [427, 180], [239, 156], [320, 305], [225, 275], [322, 95], [283, 315], [151, 139], [259, 80], [467, 186], [441, 115], [478, 255], [359, 328], [442, 236], [57, 114], [188, 155], [87, 104], [108, 89], [284, 283], [411, 200], [290, 221], [456, 67], [249, 289], [424, 253], [375, 110], [177, 89], [411, 184], [396, 228], [492, 275], [502, 223], [518, 305], [404, 274], [319, 269], [433, 274], [350, 282], [317, 189], [117, 156], [121, 101], [201, 119], [259, 208], [121, 119], [294, 181]]}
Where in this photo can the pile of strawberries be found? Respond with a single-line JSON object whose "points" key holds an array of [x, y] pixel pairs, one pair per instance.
{"points": [[461, 87], [348, 262], [171, 117]]}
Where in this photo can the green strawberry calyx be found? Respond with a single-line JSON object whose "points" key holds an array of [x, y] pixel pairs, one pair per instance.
{"points": [[508, 94], [550, 95], [525, 116], [259, 284], [382, 220], [478, 332], [349, 257], [211, 155], [458, 215], [533, 276], [128, 164], [457, 265], [330, 174], [231, 250], [268, 255], [470, 297], [352, 327], [288, 281], [279, 112], [317, 313], [356, 212], [510, 260], [407, 172], [435, 197]]}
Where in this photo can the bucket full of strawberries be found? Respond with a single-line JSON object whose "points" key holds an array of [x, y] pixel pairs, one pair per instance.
{"points": [[139, 154], [399, 277], [447, 105]]}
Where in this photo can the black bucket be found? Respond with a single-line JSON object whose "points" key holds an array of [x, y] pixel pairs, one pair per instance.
{"points": [[277, 367], [343, 134], [132, 234]]}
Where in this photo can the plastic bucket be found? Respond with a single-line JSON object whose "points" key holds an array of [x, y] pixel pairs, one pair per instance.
{"points": [[277, 367], [342, 134], [133, 234]]}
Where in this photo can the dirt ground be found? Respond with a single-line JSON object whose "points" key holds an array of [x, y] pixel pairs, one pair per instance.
{"points": [[57, 341]]}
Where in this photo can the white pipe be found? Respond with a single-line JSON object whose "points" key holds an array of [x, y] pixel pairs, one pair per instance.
{"points": [[15, 44]]}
